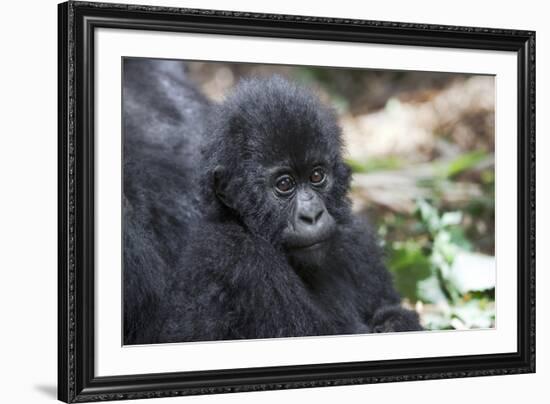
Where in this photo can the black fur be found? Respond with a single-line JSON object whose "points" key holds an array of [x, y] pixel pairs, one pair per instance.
{"points": [[162, 117], [204, 257]]}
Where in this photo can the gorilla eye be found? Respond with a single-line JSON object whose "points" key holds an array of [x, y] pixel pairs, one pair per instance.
{"points": [[317, 176], [285, 184]]}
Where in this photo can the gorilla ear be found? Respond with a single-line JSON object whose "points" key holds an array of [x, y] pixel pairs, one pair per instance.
{"points": [[221, 184]]}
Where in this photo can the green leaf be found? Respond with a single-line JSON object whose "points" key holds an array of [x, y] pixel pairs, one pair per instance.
{"points": [[473, 272], [451, 218], [429, 215], [409, 266], [458, 238], [429, 291], [475, 314], [374, 164], [463, 163], [437, 321]]}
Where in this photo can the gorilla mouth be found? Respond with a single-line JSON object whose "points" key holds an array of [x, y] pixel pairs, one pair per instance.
{"points": [[310, 246], [299, 243]]}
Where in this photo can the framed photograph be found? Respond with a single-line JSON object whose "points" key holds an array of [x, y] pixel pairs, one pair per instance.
{"points": [[253, 202]]}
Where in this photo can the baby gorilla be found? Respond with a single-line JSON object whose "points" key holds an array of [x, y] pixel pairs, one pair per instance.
{"points": [[275, 250]]}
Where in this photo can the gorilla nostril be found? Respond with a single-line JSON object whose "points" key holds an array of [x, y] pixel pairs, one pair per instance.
{"points": [[307, 219], [318, 216]]}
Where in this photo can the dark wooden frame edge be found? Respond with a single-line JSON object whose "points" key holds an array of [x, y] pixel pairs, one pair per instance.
{"points": [[76, 24]]}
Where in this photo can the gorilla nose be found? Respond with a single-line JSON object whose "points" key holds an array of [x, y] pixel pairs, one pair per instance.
{"points": [[311, 216], [311, 224]]}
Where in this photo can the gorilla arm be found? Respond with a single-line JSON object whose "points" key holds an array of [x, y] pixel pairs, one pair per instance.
{"points": [[374, 290]]}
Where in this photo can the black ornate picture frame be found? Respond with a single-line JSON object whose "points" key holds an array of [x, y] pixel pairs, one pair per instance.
{"points": [[78, 21]]}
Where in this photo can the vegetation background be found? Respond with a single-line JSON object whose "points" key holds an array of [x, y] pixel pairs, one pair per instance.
{"points": [[421, 147]]}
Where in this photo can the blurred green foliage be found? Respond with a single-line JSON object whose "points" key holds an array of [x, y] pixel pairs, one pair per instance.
{"points": [[425, 270], [441, 262], [374, 164], [463, 162]]}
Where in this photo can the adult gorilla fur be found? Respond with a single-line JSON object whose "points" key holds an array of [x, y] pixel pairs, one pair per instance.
{"points": [[252, 237]]}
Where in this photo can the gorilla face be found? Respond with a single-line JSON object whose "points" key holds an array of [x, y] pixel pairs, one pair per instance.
{"points": [[310, 225], [277, 167], [287, 205]]}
